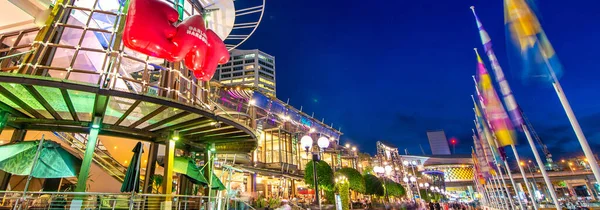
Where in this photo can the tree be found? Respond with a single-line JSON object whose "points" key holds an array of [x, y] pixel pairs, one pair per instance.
{"points": [[343, 188], [373, 185], [357, 181], [324, 172], [394, 189]]}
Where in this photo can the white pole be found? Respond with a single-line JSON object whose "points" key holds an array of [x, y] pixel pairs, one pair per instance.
{"points": [[580, 136], [574, 123], [538, 159], [490, 191], [512, 181], [505, 191], [501, 198], [531, 193]]}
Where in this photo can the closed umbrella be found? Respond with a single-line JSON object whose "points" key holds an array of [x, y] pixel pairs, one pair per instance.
{"points": [[131, 183]]}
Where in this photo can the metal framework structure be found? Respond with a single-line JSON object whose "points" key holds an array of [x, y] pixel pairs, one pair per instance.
{"points": [[75, 69]]}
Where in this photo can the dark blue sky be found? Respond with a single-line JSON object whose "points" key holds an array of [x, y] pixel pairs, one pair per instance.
{"points": [[391, 70]]}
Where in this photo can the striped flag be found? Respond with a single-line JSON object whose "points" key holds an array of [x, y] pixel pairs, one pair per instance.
{"points": [[507, 96], [493, 110], [538, 59], [486, 139], [476, 165]]}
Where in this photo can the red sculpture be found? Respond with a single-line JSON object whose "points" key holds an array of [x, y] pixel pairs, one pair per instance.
{"points": [[149, 29]]}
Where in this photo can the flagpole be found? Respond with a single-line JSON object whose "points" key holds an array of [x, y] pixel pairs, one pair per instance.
{"points": [[574, 123], [493, 202], [538, 159], [500, 193], [512, 206], [531, 193], [512, 181]]}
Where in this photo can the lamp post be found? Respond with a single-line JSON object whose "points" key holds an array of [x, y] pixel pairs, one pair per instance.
{"points": [[412, 165], [307, 142], [381, 172]]}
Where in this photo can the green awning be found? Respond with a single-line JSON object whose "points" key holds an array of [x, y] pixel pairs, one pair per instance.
{"points": [[53, 162], [187, 167]]}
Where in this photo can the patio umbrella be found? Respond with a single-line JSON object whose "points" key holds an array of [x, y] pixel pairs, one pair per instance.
{"points": [[187, 167], [216, 183], [53, 161], [131, 183]]}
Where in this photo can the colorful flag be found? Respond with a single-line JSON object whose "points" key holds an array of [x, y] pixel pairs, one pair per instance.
{"points": [[538, 59], [486, 139], [507, 96], [492, 107], [477, 171]]}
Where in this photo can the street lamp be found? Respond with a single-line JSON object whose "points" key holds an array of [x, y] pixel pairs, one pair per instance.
{"points": [[381, 172], [307, 142], [412, 165]]}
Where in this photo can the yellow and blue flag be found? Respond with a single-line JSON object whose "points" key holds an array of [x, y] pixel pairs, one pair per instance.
{"points": [[538, 60]]}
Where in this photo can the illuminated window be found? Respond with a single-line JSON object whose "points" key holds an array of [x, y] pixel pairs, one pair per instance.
{"points": [[265, 81], [250, 55], [226, 82], [248, 67], [237, 80]]}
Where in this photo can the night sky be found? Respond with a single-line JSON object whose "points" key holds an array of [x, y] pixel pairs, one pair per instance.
{"points": [[391, 70]]}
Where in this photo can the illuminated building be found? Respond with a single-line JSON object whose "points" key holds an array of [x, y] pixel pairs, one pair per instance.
{"points": [[250, 68]]}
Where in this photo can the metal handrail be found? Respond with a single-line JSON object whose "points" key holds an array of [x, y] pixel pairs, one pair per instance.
{"points": [[108, 166], [51, 200]]}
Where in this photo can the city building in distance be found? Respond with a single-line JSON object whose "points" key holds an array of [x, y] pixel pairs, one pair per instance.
{"points": [[251, 68], [438, 142]]}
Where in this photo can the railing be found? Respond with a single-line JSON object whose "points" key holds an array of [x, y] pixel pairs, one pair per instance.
{"points": [[88, 200], [101, 157]]}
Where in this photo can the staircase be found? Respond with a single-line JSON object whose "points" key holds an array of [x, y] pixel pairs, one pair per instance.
{"points": [[101, 156]]}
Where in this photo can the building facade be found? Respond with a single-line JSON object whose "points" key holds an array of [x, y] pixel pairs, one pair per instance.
{"points": [[438, 142], [250, 68]]}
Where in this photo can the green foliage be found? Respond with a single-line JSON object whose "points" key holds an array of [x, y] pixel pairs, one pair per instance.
{"points": [[157, 181], [260, 202], [373, 185], [367, 170], [428, 196], [329, 196], [357, 181], [394, 189], [344, 191], [274, 202], [324, 174]]}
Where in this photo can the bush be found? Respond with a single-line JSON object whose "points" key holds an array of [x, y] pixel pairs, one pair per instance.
{"points": [[373, 185], [356, 180], [324, 173]]}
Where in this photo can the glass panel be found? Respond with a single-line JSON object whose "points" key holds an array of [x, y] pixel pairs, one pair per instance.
{"points": [[142, 109], [89, 61], [83, 102], [13, 105], [20, 92], [62, 57], [169, 112], [54, 97], [115, 109], [96, 40], [177, 121]]}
